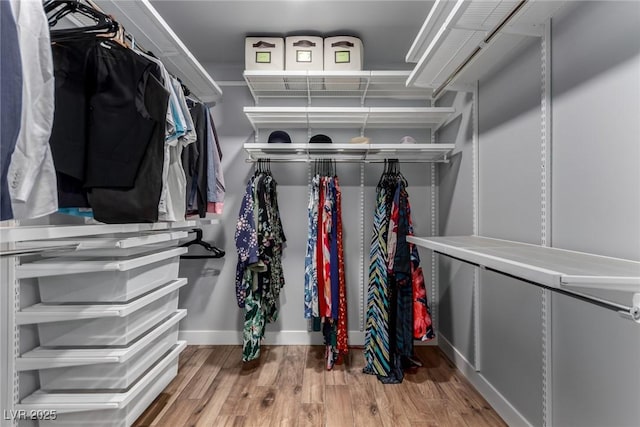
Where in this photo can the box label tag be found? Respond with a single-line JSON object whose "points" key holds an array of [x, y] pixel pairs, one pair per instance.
{"points": [[303, 56], [263, 57], [343, 56]]}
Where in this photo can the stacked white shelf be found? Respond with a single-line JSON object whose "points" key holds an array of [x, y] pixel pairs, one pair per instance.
{"points": [[359, 85], [352, 152], [340, 86]]}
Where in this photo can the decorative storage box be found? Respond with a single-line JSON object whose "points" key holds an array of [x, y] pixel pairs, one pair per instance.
{"points": [[91, 409], [133, 361], [110, 325], [304, 53], [102, 280], [342, 53], [264, 53]]}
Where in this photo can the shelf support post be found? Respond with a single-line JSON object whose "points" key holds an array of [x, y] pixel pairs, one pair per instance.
{"points": [[475, 118], [363, 271], [545, 223]]}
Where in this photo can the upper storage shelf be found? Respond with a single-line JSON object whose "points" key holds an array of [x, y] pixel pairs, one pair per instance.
{"points": [[461, 41], [310, 85], [357, 117], [151, 31]]}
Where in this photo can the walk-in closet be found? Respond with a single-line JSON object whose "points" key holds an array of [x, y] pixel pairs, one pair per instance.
{"points": [[319, 213]]}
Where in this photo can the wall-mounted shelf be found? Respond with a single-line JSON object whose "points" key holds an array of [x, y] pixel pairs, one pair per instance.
{"points": [[46, 358], [152, 32], [358, 117], [41, 232], [462, 41], [80, 402], [312, 85], [43, 313], [552, 267], [63, 266], [120, 242], [350, 152]]}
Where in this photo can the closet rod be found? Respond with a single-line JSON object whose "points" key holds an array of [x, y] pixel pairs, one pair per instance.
{"points": [[345, 160], [610, 305], [35, 251]]}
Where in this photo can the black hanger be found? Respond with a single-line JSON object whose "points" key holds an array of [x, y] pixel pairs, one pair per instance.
{"points": [[58, 9], [215, 252]]}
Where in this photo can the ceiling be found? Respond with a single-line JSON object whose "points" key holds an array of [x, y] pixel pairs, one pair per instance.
{"points": [[214, 30]]}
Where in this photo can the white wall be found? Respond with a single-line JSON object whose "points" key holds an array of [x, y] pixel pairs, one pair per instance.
{"points": [[596, 205], [595, 191]]}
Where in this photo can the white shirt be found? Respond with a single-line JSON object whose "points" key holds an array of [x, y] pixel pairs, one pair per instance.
{"points": [[31, 175]]}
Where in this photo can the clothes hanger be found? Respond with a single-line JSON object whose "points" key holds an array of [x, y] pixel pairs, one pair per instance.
{"points": [[58, 9], [215, 252]]}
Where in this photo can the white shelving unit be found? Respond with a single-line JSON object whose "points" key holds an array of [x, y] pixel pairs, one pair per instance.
{"points": [[462, 41], [311, 85], [151, 31], [562, 269], [350, 152]]}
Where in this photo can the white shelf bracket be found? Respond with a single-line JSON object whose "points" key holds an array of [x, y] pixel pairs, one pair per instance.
{"points": [[364, 124], [366, 89]]}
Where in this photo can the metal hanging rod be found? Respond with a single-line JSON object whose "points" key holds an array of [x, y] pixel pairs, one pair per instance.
{"points": [[346, 160], [36, 251]]}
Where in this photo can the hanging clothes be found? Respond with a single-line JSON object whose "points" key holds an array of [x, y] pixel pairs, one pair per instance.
{"points": [[31, 175], [11, 93], [397, 307], [325, 296], [106, 133], [260, 242]]}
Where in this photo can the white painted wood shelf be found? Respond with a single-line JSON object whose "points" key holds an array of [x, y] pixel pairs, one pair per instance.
{"points": [[551, 267], [351, 152], [312, 85], [46, 358], [80, 402], [347, 117], [462, 41], [152, 32], [567, 270], [44, 313]]}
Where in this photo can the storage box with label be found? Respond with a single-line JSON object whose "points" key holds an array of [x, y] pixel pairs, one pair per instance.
{"points": [[264, 53], [304, 53], [343, 53]]}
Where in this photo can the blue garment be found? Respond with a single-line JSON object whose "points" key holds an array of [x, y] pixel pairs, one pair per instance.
{"points": [[11, 94], [246, 238], [310, 267]]}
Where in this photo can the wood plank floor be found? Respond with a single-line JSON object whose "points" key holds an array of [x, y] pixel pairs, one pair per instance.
{"points": [[290, 387]]}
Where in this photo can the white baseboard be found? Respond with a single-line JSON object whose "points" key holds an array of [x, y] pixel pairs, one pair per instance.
{"points": [[271, 338], [502, 406]]}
